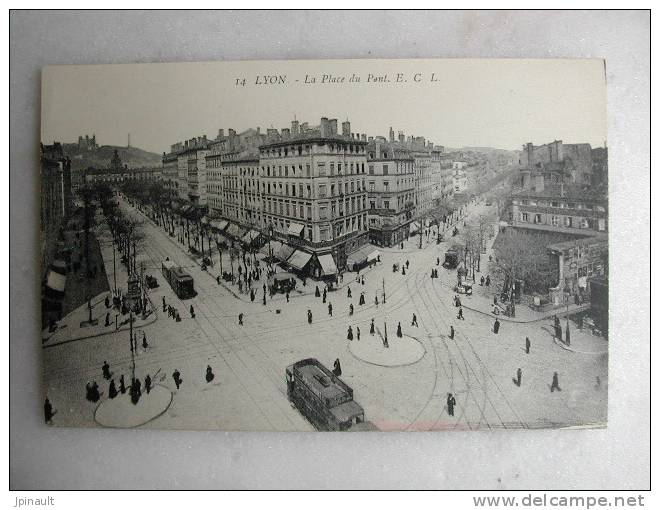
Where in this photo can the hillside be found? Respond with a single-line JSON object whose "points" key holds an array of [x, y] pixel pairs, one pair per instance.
{"points": [[100, 158]]}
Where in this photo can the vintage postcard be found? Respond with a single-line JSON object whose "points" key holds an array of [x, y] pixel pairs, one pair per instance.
{"points": [[339, 245]]}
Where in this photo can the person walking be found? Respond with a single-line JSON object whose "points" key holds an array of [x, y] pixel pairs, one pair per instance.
{"points": [[252, 295], [362, 279], [330, 309], [112, 390], [403, 271], [376, 301], [527, 345], [122, 384], [145, 345], [209, 374], [287, 296], [482, 281], [399, 333], [263, 301], [361, 302], [487, 280], [48, 411], [496, 326], [349, 336], [350, 309], [337, 368], [176, 375], [164, 305], [325, 295], [357, 330], [106, 370], [437, 261], [309, 316], [451, 402], [372, 328], [348, 294], [240, 319], [517, 381], [414, 321], [555, 383], [147, 384], [407, 264], [451, 332], [460, 314], [317, 292]]}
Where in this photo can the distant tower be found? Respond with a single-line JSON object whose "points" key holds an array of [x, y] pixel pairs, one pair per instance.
{"points": [[129, 141], [391, 134]]}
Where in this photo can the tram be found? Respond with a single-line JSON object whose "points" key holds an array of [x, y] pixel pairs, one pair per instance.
{"points": [[321, 397], [181, 282]]}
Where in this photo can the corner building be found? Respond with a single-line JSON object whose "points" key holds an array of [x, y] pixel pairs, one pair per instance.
{"points": [[313, 189]]}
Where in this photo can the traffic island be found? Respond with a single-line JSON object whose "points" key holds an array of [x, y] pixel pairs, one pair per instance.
{"points": [[121, 413], [401, 351]]}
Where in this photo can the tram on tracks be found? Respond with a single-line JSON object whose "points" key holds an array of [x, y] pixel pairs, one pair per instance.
{"points": [[181, 282], [321, 397]]}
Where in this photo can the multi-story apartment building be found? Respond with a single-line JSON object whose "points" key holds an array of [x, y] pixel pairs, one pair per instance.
{"points": [[390, 192], [170, 172], [56, 197], [313, 187]]}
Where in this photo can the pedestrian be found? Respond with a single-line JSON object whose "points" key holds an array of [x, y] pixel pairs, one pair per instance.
{"points": [[451, 332], [317, 292], [372, 328], [555, 383], [407, 264], [122, 384], [495, 299], [178, 317], [451, 402], [136, 390], [460, 314], [349, 335], [217, 279], [482, 281], [106, 370], [147, 383], [330, 309], [349, 295], [398, 331], [376, 301], [252, 295], [350, 309], [240, 319], [518, 378], [264, 287], [48, 411], [112, 390], [287, 296], [107, 319], [357, 330], [458, 302], [176, 375], [402, 245], [527, 345], [309, 316], [145, 345], [568, 334], [337, 368], [361, 302], [414, 321], [403, 271], [487, 280], [362, 279], [209, 374], [264, 299], [432, 273], [558, 332], [437, 261], [496, 326]]}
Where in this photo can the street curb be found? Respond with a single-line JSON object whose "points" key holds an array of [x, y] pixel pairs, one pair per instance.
{"points": [[567, 348], [505, 319]]}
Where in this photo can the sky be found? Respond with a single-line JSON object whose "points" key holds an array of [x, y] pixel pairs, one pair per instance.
{"points": [[500, 103]]}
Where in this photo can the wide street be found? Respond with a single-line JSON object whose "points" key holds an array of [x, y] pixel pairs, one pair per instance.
{"points": [[249, 361]]}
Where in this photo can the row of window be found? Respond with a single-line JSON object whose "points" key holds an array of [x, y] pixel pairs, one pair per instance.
{"points": [[564, 221]]}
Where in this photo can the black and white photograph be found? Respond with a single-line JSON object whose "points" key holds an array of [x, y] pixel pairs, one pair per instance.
{"points": [[339, 245]]}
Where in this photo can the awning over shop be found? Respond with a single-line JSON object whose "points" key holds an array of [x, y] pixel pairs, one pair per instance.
{"points": [[299, 259], [56, 281], [415, 227], [373, 256], [328, 264], [274, 247], [295, 229], [219, 224], [250, 236], [234, 230], [284, 252], [360, 256]]}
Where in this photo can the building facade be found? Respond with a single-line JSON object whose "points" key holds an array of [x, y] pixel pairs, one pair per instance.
{"points": [[390, 192]]}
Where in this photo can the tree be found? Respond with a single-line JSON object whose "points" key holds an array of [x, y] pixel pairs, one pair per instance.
{"points": [[523, 257]]}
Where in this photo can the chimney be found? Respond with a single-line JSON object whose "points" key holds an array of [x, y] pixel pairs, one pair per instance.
{"points": [[371, 138], [377, 150], [529, 149], [325, 127], [402, 137], [391, 134], [221, 133], [333, 127], [346, 128], [286, 133], [363, 137], [295, 128], [304, 127]]}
